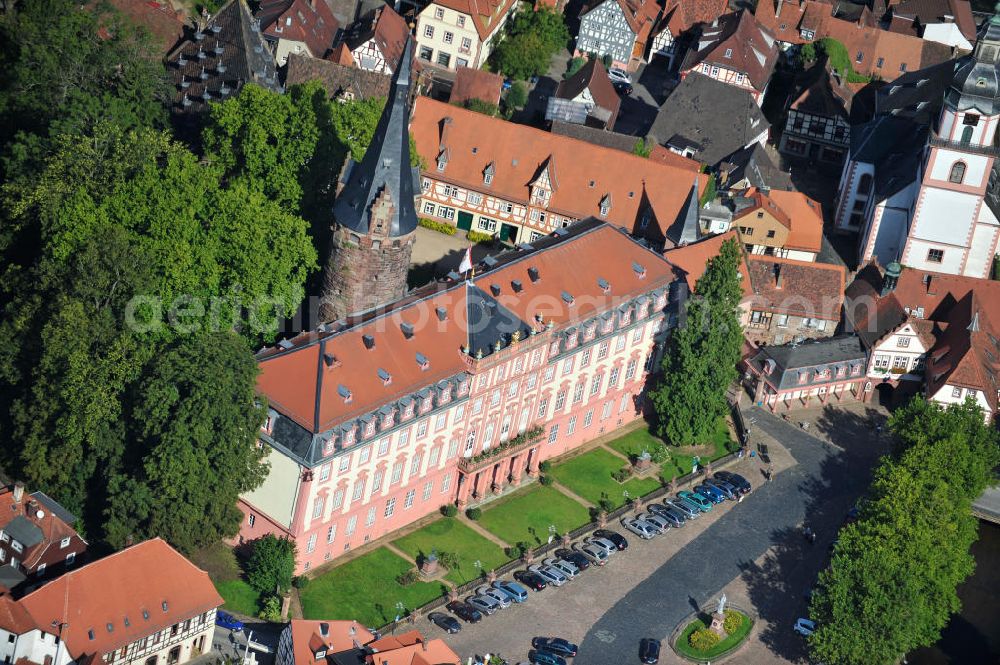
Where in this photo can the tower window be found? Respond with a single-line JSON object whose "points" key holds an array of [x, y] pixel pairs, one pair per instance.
{"points": [[971, 119], [967, 135], [957, 172], [935, 255]]}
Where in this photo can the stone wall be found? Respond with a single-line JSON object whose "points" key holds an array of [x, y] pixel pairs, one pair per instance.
{"points": [[364, 272]]}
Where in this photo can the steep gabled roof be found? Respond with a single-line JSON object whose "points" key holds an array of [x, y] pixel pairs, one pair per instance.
{"points": [[689, 262], [594, 77], [738, 43], [307, 21], [683, 16], [912, 15], [640, 15], [387, 28], [486, 14], [799, 288], [337, 79], [476, 84]]}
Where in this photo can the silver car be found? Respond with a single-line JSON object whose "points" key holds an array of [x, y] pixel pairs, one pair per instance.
{"points": [[549, 574], [687, 510], [565, 567], [484, 604], [495, 594], [641, 528], [604, 544], [596, 555], [657, 521]]}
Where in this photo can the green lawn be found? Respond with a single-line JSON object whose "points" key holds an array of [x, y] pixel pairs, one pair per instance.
{"points": [[725, 644], [239, 597], [589, 475], [527, 515], [365, 589], [449, 535], [633, 443], [220, 562]]}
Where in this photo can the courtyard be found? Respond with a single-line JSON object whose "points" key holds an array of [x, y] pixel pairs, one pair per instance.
{"points": [[449, 534], [527, 515], [590, 476]]}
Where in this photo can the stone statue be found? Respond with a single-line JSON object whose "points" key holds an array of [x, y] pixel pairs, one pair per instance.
{"points": [[433, 556], [722, 604]]}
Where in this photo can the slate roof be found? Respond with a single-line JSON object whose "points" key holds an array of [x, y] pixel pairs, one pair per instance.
{"points": [[792, 361], [476, 84], [754, 165], [594, 77], [751, 49], [692, 112], [685, 230], [307, 21], [917, 94], [23, 531], [214, 64], [338, 80], [385, 168]]}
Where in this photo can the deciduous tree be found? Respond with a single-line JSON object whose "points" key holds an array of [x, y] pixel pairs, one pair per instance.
{"points": [[271, 564]]}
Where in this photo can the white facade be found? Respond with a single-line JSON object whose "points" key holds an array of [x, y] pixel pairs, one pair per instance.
{"points": [[369, 56], [605, 31], [34, 645], [949, 394], [449, 38], [900, 355]]}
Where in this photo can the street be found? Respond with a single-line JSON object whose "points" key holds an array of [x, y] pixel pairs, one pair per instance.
{"points": [[754, 550]]}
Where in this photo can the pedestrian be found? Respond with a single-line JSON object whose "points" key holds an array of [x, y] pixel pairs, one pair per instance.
{"points": [[770, 472]]}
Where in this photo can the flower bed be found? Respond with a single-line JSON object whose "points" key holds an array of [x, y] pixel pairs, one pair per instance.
{"points": [[725, 646]]}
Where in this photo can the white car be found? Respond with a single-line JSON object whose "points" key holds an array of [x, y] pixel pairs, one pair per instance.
{"points": [[619, 75], [641, 528], [604, 544], [565, 567], [657, 521], [596, 555], [495, 594], [804, 627], [484, 604], [549, 574]]}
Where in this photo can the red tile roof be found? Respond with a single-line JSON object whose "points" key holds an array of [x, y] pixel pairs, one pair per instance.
{"points": [[151, 578], [486, 14], [641, 15], [14, 618], [682, 16], [814, 290], [476, 84], [750, 48], [388, 29], [585, 173], [308, 639], [691, 260], [908, 15], [411, 648], [307, 21], [806, 216], [289, 377], [51, 525], [164, 24]]}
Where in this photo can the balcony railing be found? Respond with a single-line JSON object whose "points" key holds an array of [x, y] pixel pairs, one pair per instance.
{"points": [[522, 441], [988, 150]]}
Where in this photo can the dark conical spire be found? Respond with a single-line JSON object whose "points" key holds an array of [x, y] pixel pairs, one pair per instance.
{"points": [[386, 165]]}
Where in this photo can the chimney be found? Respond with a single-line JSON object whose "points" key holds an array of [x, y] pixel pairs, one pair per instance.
{"points": [[930, 285], [779, 279], [18, 492], [324, 629]]}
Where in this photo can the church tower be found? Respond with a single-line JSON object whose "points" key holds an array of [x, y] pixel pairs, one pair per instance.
{"points": [[374, 214], [954, 226]]}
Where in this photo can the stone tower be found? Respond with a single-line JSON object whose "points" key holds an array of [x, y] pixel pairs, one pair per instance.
{"points": [[375, 215]]}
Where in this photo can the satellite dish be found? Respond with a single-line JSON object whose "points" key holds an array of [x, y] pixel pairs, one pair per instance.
{"points": [[40, 514]]}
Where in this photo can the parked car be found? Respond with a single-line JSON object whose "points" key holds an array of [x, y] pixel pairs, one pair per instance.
{"points": [[736, 480], [551, 575], [690, 503], [649, 650], [563, 566], [556, 645], [495, 594], [445, 622], [484, 604], [726, 488], [530, 579], [516, 592], [689, 511], [602, 544], [700, 502], [227, 620], [613, 536], [710, 492], [594, 554], [464, 611], [804, 627], [545, 658], [639, 527], [574, 557], [670, 516], [622, 88], [619, 75], [659, 521]]}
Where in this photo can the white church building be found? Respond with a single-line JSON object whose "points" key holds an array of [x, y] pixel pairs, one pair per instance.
{"points": [[939, 210]]}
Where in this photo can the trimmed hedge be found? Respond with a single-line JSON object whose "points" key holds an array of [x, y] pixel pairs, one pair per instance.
{"points": [[440, 227], [476, 236], [474, 513], [449, 510]]}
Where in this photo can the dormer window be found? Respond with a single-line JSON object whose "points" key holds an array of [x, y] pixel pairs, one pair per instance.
{"points": [[463, 388], [384, 376], [423, 362], [442, 160], [408, 411], [488, 173], [345, 393], [370, 428], [320, 654], [639, 270], [729, 52], [605, 205]]}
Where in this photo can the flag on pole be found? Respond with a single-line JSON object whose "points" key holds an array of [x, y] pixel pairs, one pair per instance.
{"points": [[466, 264]]}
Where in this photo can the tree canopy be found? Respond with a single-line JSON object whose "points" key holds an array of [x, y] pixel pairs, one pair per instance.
{"points": [[702, 354], [530, 41], [891, 585], [271, 564]]}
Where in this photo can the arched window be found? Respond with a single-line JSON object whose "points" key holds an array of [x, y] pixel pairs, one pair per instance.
{"points": [[966, 135], [865, 184], [957, 172]]}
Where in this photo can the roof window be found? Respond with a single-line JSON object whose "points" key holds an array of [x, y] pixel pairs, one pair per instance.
{"points": [[385, 376], [533, 274], [164, 605], [567, 297], [422, 361], [604, 284], [368, 341], [442, 313], [344, 392], [639, 270], [407, 329]]}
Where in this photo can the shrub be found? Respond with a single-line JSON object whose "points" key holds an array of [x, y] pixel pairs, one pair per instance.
{"points": [[517, 96], [733, 621], [606, 60], [407, 578], [703, 639], [545, 480], [474, 513], [621, 475], [440, 227], [476, 236], [517, 551], [574, 65], [641, 148], [300, 582], [272, 564], [449, 560], [482, 106], [606, 504], [545, 466], [449, 510], [270, 608]]}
